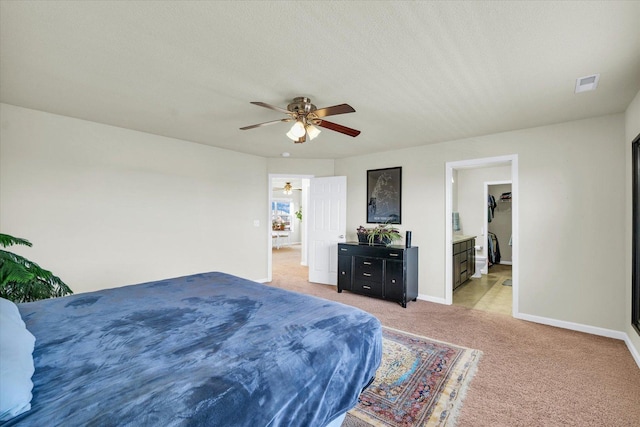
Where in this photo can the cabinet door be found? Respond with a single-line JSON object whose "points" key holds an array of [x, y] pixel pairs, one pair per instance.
{"points": [[471, 262], [394, 280], [344, 273], [456, 270]]}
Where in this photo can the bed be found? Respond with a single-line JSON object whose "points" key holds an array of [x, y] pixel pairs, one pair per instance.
{"points": [[207, 349]]}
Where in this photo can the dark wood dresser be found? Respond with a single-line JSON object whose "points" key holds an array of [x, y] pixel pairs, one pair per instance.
{"points": [[388, 272]]}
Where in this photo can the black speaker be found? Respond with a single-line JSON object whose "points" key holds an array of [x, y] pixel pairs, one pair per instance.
{"points": [[408, 240]]}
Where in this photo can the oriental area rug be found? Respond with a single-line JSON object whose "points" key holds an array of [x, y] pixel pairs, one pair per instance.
{"points": [[420, 382]]}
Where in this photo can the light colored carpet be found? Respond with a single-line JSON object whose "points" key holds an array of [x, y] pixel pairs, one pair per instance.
{"points": [[530, 374]]}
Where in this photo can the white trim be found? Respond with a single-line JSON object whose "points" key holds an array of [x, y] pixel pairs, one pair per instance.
{"points": [[429, 298], [632, 349], [593, 330], [448, 240]]}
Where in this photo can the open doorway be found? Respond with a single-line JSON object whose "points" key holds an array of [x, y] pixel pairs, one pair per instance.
{"points": [[490, 288], [467, 212], [287, 243]]}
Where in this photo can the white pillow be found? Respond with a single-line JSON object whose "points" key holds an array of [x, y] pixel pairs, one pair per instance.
{"points": [[16, 362]]}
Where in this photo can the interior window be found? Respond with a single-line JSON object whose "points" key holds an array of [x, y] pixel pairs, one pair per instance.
{"points": [[282, 214]]}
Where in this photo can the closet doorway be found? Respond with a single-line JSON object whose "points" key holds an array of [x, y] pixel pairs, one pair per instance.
{"points": [[469, 184]]}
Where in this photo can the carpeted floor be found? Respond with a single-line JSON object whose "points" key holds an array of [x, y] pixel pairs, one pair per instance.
{"points": [[529, 375]]}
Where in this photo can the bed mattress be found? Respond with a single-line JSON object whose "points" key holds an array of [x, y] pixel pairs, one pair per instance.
{"points": [[207, 349]]}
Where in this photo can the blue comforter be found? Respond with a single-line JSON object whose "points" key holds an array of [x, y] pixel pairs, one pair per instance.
{"points": [[209, 349]]}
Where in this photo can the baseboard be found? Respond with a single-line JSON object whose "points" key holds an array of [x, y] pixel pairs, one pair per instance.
{"points": [[632, 349], [505, 263], [594, 330], [432, 299]]}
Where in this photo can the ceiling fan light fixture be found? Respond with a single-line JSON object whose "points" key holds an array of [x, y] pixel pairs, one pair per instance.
{"points": [[287, 188], [307, 119], [292, 136], [312, 131], [298, 129]]}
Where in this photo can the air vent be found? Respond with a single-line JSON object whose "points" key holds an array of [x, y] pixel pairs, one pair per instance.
{"points": [[587, 83]]}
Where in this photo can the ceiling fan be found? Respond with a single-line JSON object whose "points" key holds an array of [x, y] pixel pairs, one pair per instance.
{"points": [[306, 117], [287, 188]]}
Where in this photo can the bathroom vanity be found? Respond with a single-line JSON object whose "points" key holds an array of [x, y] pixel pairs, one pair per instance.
{"points": [[464, 259]]}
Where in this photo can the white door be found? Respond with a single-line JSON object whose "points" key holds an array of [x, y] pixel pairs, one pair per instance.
{"points": [[326, 227]]}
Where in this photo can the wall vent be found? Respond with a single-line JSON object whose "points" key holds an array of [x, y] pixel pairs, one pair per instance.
{"points": [[587, 83]]}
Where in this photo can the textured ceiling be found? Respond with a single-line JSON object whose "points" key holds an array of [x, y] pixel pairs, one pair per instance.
{"points": [[416, 72]]}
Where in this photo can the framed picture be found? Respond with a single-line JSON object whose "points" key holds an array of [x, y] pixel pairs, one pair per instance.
{"points": [[384, 191]]}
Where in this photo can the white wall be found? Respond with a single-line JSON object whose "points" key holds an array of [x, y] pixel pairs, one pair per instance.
{"points": [[632, 130], [105, 206], [571, 203], [291, 166]]}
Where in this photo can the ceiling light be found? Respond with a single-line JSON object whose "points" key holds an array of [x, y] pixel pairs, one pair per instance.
{"points": [[312, 131], [297, 130], [285, 154], [587, 83], [287, 188]]}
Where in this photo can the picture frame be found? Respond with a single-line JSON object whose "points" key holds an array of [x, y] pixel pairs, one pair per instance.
{"points": [[384, 196]]}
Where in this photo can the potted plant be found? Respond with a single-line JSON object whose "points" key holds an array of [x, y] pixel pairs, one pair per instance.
{"points": [[22, 280], [381, 235]]}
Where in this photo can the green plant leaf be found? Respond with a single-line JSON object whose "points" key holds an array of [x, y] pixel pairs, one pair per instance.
{"points": [[6, 241], [22, 280]]}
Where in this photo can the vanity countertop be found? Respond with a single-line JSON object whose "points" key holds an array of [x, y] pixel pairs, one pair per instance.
{"points": [[461, 238]]}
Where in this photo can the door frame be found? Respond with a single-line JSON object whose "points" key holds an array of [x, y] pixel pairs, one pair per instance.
{"points": [[512, 160], [303, 202]]}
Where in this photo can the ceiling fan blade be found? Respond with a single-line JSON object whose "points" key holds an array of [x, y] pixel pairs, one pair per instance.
{"points": [[339, 128], [332, 111], [265, 124], [272, 107]]}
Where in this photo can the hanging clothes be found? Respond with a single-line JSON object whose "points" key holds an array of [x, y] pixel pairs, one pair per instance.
{"points": [[491, 205], [494, 248]]}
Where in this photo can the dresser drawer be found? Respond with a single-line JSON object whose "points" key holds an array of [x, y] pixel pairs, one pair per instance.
{"points": [[368, 288], [389, 252], [369, 269], [347, 250]]}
